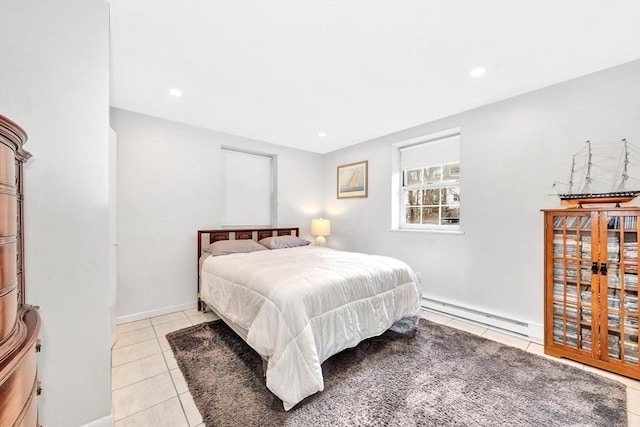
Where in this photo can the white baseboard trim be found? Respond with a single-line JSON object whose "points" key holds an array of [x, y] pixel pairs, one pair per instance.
{"points": [[532, 331], [153, 313], [536, 332], [102, 422]]}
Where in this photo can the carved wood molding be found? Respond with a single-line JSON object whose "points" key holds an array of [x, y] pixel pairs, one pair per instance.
{"points": [[12, 133]]}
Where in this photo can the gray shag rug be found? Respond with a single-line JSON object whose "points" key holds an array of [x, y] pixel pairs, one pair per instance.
{"points": [[440, 377]]}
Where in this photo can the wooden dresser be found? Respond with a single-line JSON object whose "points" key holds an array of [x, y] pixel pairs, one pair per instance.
{"points": [[19, 323]]}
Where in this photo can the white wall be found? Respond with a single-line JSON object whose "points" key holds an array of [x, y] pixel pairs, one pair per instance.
{"points": [[169, 182], [113, 231], [54, 82], [511, 153]]}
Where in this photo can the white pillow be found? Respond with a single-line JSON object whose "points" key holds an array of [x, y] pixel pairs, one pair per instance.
{"points": [[226, 247], [281, 242]]}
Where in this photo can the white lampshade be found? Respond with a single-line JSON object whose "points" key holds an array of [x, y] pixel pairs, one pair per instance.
{"points": [[320, 227]]}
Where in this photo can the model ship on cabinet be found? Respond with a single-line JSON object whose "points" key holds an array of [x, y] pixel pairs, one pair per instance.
{"points": [[603, 173]]}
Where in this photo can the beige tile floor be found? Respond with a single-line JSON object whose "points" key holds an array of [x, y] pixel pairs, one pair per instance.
{"points": [[149, 390]]}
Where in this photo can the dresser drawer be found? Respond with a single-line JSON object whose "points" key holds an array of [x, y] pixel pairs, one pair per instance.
{"points": [[8, 309], [15, 391], [8, 215], [18, 372], [29, 415], [7, 166], [8, 264]]}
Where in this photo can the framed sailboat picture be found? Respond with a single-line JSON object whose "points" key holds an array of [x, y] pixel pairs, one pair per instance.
{"points": [[353, 180]]}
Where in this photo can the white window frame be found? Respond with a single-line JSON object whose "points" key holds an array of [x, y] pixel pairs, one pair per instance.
{"points": [[398, 208]]}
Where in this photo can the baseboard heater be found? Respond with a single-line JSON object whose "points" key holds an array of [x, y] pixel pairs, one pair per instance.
{"points": [[528, 330]]}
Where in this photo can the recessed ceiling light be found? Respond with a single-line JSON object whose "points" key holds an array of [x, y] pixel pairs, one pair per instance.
{"points": [[477, 72], [322, 134], [175, 92]]}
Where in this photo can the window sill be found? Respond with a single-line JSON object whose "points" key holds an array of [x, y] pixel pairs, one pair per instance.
{"points": [[418, 230]]}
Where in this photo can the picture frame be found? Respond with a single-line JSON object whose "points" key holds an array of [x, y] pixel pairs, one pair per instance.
{"points": [[353, 180]]}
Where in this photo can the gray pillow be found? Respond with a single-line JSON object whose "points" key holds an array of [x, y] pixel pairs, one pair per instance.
{"points": [[280, 242], [226, 247]]}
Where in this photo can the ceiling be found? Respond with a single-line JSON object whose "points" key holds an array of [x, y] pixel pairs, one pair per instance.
{"points": [[283, 71]]}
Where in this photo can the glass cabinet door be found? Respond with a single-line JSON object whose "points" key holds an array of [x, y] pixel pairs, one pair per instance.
{"points": [[621, 338], [573, 286]]}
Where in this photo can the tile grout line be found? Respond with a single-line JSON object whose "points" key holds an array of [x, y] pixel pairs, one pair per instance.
{"points": [[120, 364], [184, 411], [144, 379], [142, 410], [159, 403], [169, 321], [134, 330], [177, 395], [164, 336], [133, 343]]}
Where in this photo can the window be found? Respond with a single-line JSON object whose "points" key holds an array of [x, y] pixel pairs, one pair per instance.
{"points": [[248, 189], [428, 182]]}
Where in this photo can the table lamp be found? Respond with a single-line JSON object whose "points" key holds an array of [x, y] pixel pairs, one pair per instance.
{"points": [[320, 227]]}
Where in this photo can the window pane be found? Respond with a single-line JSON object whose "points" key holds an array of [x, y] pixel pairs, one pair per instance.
{"points": [[413, 216], [451, 196], [431, 197], [451, 172], [450, 215], [412, 197], [413, 177], [430, 216], [432, 174]]}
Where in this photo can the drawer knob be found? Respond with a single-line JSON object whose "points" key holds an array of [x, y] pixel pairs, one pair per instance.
{"points": [[38, 346], [39, 389]]}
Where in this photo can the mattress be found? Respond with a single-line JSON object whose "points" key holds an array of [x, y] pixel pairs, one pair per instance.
{"points": [[302, 305]]}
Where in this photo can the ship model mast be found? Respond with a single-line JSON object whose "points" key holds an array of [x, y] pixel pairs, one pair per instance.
{"points": [[587, 195], [625, 170], [573, 171]]}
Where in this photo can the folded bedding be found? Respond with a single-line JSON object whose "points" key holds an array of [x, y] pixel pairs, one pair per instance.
{"points": [[303, 304]]}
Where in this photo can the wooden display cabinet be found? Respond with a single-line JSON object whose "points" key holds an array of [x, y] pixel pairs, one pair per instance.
{"points": [[591, 286]]}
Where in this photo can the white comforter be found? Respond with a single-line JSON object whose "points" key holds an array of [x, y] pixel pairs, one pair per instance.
{"points": [[302, 305]]}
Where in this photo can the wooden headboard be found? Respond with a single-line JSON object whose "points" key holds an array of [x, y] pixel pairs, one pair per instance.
{"points": [[206, 237]]}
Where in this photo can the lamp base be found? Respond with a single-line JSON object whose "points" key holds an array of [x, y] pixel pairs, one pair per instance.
{"points": [[321, 241]]}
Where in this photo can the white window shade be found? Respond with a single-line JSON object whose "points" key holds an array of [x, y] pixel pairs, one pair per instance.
{"points": [[247, 188], [425, 154]]}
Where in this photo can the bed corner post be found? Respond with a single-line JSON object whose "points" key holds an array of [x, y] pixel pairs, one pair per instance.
{"points": [[200, 303]]}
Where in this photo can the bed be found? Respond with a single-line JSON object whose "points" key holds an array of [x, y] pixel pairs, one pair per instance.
{"points": [[297, 306]]}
